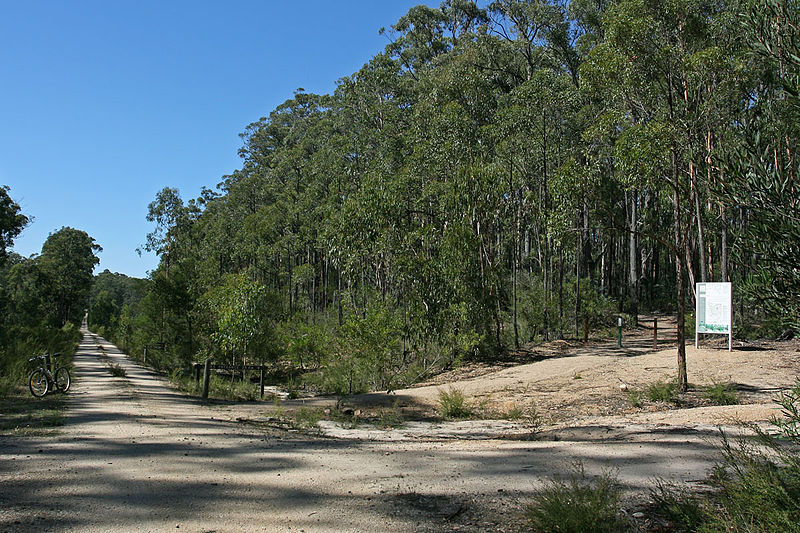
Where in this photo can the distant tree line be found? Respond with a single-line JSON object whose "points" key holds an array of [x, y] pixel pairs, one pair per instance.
{"points": [[498, 175]]}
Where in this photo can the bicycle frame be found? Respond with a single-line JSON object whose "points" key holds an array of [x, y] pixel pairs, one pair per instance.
{"points": [[48, 373]]}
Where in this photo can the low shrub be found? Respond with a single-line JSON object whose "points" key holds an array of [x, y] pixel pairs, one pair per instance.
{"points": [[755, 486], [635, 397], [515, 412], [453, 404], [663, 391], [117, 371], [678, 505], [721, 394], [307, 417], [390, 417], [576, 504]]}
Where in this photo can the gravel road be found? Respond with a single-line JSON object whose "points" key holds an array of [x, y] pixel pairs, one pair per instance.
{"points": [[135, 455]]}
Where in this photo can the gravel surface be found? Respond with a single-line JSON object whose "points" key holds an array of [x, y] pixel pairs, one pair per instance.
{"points": [[135, 455]]}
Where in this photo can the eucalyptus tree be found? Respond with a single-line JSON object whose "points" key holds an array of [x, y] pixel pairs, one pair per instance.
{"points": [[646, 62], [762, 175], [12, 222], [536, 136], [68, 259], [243, 318]]}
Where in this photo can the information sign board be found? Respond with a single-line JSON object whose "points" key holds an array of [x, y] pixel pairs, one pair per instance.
{"points": [[714, 313]]}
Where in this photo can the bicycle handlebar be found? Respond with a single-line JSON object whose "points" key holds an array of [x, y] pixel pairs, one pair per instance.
{"points": [[45, 356]]}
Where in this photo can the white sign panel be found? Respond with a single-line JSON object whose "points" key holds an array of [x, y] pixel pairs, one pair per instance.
{"points": [[714, 313]]}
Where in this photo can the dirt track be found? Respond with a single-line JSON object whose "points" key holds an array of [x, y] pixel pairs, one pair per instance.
{"points": [[135, 455]]}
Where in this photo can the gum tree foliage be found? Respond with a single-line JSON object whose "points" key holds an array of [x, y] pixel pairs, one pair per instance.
{"points": [[12, 222], [241, 311], [499, 174], [53, 288], [68, 259]]}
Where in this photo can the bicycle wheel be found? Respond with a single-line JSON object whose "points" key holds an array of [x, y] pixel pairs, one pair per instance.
{"points": [[38, 383], [62, 379]]}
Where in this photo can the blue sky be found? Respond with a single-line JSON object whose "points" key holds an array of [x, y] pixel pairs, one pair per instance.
{"points": [[102, 104]]}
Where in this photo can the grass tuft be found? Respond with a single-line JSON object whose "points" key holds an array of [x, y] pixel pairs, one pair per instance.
{"points": [[390, 417], [681, 507], [635, 397]]}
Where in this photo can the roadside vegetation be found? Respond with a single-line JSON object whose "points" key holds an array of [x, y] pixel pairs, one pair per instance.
{"points": [[23, 415], [116, 371], [41, 305], [453, 404], [754, 488]]}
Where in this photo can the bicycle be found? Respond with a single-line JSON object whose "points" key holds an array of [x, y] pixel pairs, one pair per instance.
{"points": [[41, 380]]}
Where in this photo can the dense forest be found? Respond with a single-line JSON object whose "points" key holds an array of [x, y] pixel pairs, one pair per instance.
{"points": [[499, 174]]}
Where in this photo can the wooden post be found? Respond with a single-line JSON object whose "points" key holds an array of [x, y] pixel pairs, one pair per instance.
{"points": [[145, 355], [196, 372], [261, 382], [206, 377], [655, 332], [586, 330]]}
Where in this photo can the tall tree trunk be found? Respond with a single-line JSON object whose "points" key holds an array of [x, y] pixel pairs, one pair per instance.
{"points": [[633, 260], [578, 248], [679, 244], [689, 268], [339, 296], [515, 263], [701, 241], [560, 292], [723, 259], [515, 247]]}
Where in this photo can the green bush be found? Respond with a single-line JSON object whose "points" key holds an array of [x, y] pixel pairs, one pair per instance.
{"points": [[663, 391], [721, 394], [635, 397], [576, 504], [454, 405], [307, 417], [758, 488], [679, 506]]}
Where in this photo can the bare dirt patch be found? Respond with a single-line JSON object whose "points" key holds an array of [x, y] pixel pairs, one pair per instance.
{"points": [[568, 383]]}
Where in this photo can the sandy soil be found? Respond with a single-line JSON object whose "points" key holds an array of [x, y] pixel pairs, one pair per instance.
{"points": [[136, 455], [571, 383]]}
